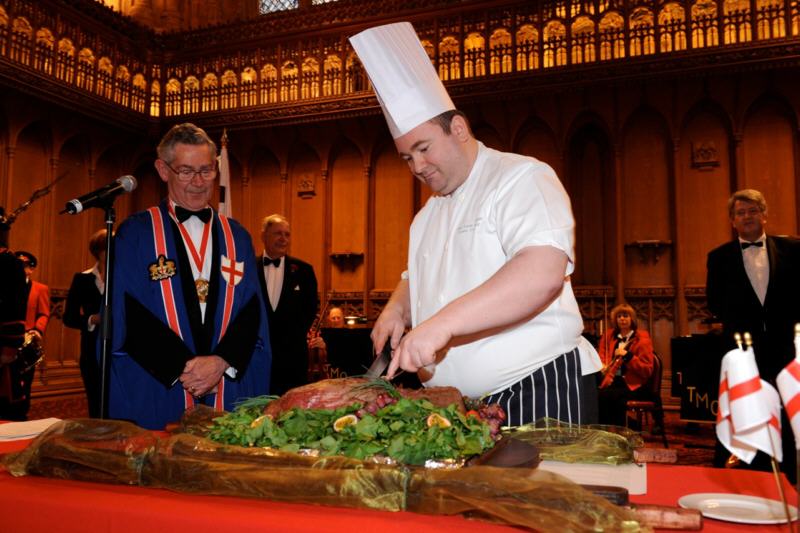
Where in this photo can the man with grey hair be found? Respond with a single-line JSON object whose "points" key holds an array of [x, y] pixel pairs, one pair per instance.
{"points": [[188, 320], [753, 286], [289, 289], [753, 283]]}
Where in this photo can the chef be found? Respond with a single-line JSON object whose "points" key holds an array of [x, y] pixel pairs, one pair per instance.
{"points": [[487, 290]]}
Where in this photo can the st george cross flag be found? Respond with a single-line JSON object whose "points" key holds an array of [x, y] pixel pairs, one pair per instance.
{"points": [[748, 416], [225, 206], [788, 382]]}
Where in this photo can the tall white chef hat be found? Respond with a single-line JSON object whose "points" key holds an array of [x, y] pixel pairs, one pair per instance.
{"points": [[404, 79]]}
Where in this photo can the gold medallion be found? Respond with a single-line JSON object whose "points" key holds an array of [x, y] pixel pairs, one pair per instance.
{"points": [[202, 289]]}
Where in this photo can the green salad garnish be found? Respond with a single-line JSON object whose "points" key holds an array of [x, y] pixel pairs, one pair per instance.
{"points": [[401, 431]]}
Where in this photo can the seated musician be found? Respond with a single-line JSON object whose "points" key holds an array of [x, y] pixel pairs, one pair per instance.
{"points": [[627, 355], [335, 319]]}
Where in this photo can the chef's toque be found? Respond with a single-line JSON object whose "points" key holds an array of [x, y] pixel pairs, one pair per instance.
{"points": [[405, 82]]}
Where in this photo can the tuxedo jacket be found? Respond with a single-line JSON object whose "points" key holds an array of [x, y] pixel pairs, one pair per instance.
{"points": [[733, 300], [83, 300], [289, 323]]}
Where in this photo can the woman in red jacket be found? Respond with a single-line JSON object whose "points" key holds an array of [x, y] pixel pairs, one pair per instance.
{"points": [[627, 355]]}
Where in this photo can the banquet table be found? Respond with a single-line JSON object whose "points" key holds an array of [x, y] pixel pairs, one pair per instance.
{"points": [[33, 504]]}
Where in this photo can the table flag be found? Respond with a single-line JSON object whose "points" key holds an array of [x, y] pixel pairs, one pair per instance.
{"points": [[788, 382], [749, 408]]}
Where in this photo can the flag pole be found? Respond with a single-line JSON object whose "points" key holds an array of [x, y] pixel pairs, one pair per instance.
{"points": [[748, 340], [225, 206], [780, 488], [797, 450]]}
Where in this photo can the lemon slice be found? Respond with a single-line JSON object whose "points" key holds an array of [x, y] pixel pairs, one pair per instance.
{"points": [[435, 419], [344, 421]]}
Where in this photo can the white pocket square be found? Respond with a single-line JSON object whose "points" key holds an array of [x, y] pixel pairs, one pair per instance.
{"points": [[297, 287]]}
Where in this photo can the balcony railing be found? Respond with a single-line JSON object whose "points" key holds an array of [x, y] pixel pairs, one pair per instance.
{"points": [[478, 43]]}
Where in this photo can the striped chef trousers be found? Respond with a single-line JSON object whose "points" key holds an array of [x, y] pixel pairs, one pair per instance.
{"points": [[552, 391]]}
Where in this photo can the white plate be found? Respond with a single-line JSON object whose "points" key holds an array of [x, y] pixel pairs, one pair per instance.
{"points": [[738, 508]]}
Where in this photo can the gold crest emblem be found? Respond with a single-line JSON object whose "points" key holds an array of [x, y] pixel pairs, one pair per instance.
{"points": [[163, 268]]}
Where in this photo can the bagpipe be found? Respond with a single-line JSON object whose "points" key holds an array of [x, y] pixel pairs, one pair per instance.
{"points": [[20, 350], [31, 353]]}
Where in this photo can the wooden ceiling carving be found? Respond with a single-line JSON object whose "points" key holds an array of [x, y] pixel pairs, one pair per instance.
{"points": [[297, 66]]}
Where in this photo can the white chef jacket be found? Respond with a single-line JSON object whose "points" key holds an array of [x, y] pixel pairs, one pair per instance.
{"points": [[458, 241]]}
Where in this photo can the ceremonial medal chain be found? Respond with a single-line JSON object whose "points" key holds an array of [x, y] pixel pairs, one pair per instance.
{"points": [[200, 284]]}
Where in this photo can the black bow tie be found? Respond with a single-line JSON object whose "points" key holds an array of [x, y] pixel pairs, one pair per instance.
{"points": [[183, 214], [746, 245], [275, 262]]}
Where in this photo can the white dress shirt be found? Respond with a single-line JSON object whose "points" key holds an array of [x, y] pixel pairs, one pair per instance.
{"points": [[756, 264], [194, 226], [274, 276]]}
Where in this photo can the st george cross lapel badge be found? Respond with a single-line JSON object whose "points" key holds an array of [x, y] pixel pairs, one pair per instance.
{"points": [[232, 271]]}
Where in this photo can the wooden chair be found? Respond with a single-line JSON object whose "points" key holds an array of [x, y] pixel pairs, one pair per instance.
{"points": [[642, 408]]}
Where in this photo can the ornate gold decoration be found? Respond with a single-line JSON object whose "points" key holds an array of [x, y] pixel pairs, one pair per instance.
{"points": [[306, 186], [163, 268], [202, 289], [704, 155]]}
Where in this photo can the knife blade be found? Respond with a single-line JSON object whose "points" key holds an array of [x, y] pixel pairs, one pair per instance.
{"points": [[381, 362]]}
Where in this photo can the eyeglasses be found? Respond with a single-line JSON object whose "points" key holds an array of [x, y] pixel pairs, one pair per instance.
{"points": [[188, 173]]}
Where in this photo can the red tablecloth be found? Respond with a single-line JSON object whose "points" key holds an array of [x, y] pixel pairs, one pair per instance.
{"points": [[33, 504]]}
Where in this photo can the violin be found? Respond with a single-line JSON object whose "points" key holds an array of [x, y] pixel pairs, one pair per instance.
{"points": [[611, 370], [317, 359]]}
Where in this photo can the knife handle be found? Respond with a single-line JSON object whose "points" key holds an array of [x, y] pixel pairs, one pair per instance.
{"points": [[426, 373]]}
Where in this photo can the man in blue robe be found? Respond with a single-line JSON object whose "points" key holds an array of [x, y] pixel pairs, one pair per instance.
{"points": [[187, 315]]}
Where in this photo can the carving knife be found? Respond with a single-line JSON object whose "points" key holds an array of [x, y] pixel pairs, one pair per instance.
{"points": [[381, 362]]}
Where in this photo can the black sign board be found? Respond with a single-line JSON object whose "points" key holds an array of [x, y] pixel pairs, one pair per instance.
{"points": [[695, 375], [349, 351]]}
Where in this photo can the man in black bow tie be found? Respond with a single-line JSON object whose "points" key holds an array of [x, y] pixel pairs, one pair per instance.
{"points": [[188, 321], [753, 285], [289, 287]]}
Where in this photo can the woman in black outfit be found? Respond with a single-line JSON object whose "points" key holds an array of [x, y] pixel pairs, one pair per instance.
{"points": [[82, 311]]}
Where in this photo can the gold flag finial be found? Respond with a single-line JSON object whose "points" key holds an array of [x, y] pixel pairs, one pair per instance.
{"points": [[737, 337], [748, 340]]}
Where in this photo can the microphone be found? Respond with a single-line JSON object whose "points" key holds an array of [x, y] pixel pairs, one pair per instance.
{"points": [[98, 197]]}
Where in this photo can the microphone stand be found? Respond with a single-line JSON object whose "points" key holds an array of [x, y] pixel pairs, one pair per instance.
{"points": [[105, 326]]}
